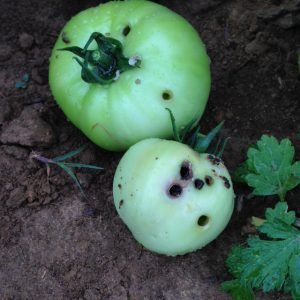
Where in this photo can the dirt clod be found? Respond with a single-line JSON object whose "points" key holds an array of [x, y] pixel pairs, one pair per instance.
{"points": [[25, 40], [28, 130], [5, 52], [5, 111], [16, 197], [258, 46]]}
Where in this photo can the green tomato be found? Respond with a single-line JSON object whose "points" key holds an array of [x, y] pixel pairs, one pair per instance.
{"points": [[173, 199], [144, 59]]}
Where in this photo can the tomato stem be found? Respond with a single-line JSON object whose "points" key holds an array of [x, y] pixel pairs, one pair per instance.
{"points": [[104, 64]]}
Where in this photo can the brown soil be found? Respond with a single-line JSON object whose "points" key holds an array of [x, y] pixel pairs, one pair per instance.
{"points": [[55, 244]]}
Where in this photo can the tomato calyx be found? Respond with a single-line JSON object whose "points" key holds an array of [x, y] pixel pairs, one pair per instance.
{"points": [[104, 64], [196, 140]]}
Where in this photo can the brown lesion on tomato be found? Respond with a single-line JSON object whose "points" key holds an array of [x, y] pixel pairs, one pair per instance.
{"points": [[209, 180], [186, 171], [120, 186], [175, 190], [216, 161], [126, 30], [65, 38], [137, 81], [198, 184], [226, 182], [121, 203]]}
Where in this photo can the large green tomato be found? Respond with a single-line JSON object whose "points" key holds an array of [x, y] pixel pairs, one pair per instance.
{"points": [[141, 59], [173, 199]]}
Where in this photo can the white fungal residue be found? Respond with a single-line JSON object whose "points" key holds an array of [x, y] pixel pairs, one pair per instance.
{"points": [[117, 75], [132, 61]]}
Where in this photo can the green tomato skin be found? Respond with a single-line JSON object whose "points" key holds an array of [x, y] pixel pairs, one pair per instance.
{"points": [[162, 223], [173, 60]]}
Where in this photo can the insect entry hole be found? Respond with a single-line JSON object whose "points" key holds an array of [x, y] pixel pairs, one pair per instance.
{"points": [[167, 95], [175, 190], [203, 220], [186, 172], [126, 30]]}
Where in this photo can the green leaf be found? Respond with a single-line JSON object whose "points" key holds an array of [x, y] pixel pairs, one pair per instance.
{"points": [[203, 142], [237, 290], [174, 127], [280, 212], [72, 175], [241, 172], [274, 264], [66, 166], [269, 168], [69, 154], [78, 165], [294, 284]]}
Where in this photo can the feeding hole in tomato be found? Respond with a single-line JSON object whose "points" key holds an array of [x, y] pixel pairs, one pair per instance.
{"points": [[209, 180], [198, 183], [167, 95], [203, 220], [126, 30], [186, 172], [175, 190], [121, 203]]}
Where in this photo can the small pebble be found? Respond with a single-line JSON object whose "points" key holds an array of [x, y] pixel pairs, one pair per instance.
{"points": [[5, 52], [25, 40]]}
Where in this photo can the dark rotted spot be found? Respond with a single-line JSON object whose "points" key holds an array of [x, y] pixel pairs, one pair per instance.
{"points": [[137, 81], [175, 190], [156, 158], [186, 172], [198, 183], [214, 159], [65, 38], [119, 185], [126, 30], [167, 95], [203, 220], [121, 203], [209, 180], [226, 182]]}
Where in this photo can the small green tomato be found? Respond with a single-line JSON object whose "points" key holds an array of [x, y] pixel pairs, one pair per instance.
{"points": [[173, 199]]}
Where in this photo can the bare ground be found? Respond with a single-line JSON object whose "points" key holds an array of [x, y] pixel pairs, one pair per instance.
{"points": [[54, 243]]}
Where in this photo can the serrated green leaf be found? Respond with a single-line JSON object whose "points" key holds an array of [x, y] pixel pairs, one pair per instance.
{"points": [[269, 168], [270, 265], [294, 178], [294, 267], [241, 172], [264, 185], [237, 290], [235, 261], [280, 212]]}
